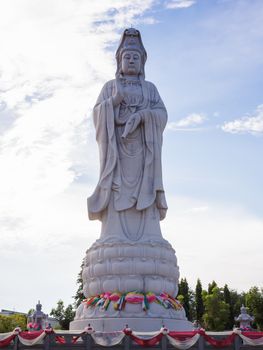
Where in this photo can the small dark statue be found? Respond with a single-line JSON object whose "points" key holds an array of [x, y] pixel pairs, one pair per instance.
{"points": [[37, 320]]}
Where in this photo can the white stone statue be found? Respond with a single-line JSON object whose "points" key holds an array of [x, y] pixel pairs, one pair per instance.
{"points": [[129, 117], [129, 200], [244, 319]]}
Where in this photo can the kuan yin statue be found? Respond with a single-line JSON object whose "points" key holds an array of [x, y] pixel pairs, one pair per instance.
{"points": [[131, 259]]}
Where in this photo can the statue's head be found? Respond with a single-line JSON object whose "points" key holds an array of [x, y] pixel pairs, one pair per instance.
{"points": [[243, 309], [38, 306], [131, 55], [131, 62]]}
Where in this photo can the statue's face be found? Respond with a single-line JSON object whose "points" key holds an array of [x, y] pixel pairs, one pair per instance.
{"points": [[131, 63]]}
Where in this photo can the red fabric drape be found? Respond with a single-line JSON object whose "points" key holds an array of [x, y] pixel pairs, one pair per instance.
{"points": [[147, 342], [7, 341], [30, 335], [252, 335], [144, 342], [227, 341], [60, 339], [182, 335]]}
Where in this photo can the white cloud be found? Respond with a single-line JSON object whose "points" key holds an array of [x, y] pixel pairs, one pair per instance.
{"points": [[201, 209], [188, 123], [55, 57], [179, 4], [252, 124]]}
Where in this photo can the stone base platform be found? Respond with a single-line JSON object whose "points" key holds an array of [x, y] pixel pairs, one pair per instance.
{"points": [[134, 316], [136, 324]]}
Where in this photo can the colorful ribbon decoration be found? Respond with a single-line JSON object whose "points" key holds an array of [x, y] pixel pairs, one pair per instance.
{"points": [[119, 300]]}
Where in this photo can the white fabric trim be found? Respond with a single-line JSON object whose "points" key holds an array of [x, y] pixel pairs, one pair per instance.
{"points": [[108, 339], [75, 332], [29, 342], [146, 335], [248, 341], [4, 336], [219, 333], [183, 344]]}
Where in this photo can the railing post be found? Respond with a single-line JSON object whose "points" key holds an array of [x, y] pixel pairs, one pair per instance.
{"points": [[16, 340], [68, 338], [164, 343], [88, 342], [201, 343], [237, 342], [127, 342], [47, 342]]}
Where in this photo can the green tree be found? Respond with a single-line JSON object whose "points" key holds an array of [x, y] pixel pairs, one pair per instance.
{"points": [[254, 301], [184, 292], [186, 297], [216, 310], [30, 312], [228, 300], [79, 296], [58, 312], [68, 316], [199, 304], [64, 316], [9, 323], [5, 324], [211, 286]]}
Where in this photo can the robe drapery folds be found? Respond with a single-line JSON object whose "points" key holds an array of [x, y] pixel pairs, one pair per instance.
{"points": [[150, 187]]}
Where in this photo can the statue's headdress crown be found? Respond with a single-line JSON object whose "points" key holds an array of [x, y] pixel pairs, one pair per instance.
{"points": [[131, 40], [243, 309]]}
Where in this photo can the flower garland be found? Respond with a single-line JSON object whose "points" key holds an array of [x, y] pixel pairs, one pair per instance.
{"points": [[120, 299], [33, 326]]}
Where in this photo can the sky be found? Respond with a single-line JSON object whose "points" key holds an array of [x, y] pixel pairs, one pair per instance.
{"points": [[206, 59]]}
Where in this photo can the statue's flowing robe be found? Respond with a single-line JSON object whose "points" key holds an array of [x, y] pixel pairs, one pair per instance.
{"points": [[149, 187]]}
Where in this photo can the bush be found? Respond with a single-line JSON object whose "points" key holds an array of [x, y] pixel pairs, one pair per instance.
{"points": [[9, 323]]}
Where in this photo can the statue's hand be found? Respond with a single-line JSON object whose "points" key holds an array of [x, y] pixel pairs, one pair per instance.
{"points": [[161, 204], [131, 124], [118, 96]]}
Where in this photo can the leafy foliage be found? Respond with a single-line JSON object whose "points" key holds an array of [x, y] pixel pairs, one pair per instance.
{"points": [[184, 296], [79, 296], [30, 312], [63, 315], [217, 312], [228, 300], [254, 301], [216, 308], [211, 286], [199, 304], [9, 323]]}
